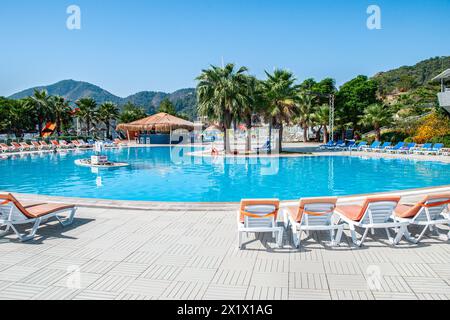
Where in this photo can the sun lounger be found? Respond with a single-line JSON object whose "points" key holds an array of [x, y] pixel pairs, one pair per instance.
{"points": [[383, 147], [65, 144], [375, 213], [259, 216], [37, 145], [45, 145], [313, 214], [266, 147], [428, 213], [407, 149], [329, 144], [26, 146], [55, 144], [16, 147], [426, 147], [360, 146], [5, 148], [13, 213], [435, 150], [373, 146], [395, 148]]}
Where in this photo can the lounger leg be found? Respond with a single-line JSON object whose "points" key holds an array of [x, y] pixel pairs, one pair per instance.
{"points": [[240, 239], [32, 233], [337, 241], [296, 236], [400, 233], [280, 238], [6, 231], [69, 220]]}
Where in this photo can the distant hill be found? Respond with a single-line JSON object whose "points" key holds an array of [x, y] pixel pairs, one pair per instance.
{"points": [[184, 99], [408, 78]]}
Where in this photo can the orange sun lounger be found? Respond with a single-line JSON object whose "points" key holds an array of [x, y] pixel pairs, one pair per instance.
{"points": [[375, 213], [313, 214], [13, 213], [259, 216], [433, 210]]}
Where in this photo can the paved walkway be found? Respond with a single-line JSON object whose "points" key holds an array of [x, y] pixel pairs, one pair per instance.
{"points": [[184, 254]]}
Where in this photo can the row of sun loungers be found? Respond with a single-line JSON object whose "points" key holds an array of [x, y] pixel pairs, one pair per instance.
{"points": [[387, 147], [43, 145], [324, 214]]}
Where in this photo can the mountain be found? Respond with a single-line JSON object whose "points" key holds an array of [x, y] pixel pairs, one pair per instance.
{"points": [[408, 78], [184, 99]]}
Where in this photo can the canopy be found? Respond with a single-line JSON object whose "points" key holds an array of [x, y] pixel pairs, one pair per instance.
{"points": [[161, 122], [443, 76]]}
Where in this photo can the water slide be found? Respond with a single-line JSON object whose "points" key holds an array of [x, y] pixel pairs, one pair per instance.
{"points": [[49, 129]]}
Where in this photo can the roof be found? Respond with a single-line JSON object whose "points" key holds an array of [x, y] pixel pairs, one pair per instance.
{"points": [[161, 122], [444, 75]]}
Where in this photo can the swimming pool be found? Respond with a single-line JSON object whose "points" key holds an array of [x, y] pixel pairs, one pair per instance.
{"points": [[168, 174]]}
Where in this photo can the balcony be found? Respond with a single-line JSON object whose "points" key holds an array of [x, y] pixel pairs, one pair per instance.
{"points": [[444, 99]]}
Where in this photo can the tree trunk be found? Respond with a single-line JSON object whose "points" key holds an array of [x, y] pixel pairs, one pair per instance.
{"points": [[305, 133], [227, 125], [325, 134], [248, 144], [108, 136], [378, 132], [280, 138]]}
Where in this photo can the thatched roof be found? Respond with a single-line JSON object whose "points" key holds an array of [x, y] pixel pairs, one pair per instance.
{"points": [[161, 122], [214, 128]]}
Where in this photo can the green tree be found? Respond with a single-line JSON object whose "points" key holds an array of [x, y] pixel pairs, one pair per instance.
{"points": [[131, 113], [40, 101], [321, 118], [87, 112], [166, 106], [221, 92], [60, 112], [353, 98], [108, 112], [305, 105], [376, 116], [279, 91]]}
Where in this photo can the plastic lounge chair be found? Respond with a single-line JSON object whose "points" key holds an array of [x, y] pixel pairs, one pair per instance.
{"points": [[395, 148], [66, 144], [435, 150], [26, 146], [360, 146], [313, 214], [55, 144], [259, 216], [5, 148], [431, 211], [37, 145], [375, 213], [407, 149], [426, 147], [16, 147], [373, 146], [383, 147], [45, 145], [13, 213], [329, 144]]}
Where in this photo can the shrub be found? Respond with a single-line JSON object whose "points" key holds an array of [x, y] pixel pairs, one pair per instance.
{"points": [[431, 127], [444, 139], [394, 136]]}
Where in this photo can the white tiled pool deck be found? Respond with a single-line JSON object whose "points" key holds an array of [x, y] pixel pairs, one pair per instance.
{"points": [[192, 254]]}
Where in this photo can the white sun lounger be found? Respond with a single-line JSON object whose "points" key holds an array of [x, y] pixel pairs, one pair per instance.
{"points": [[313, 214], [375, 213], [259, 216], [430, 212], [13, 213]]}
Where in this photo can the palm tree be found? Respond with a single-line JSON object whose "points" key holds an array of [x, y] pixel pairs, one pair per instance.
{"points": [[305, 104], [60, 111], [40, 101], [376, 116], [108, 112], [220, 93], [87, 112], [321, 118], [279, 91]]}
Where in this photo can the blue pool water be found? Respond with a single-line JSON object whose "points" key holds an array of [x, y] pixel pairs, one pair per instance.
{"points": [[167, 174]]}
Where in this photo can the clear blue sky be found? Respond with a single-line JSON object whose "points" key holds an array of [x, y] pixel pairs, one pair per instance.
{"points": [[135, 45]]}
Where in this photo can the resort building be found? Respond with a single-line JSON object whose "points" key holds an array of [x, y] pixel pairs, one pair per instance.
{"points": [[444, 95]]}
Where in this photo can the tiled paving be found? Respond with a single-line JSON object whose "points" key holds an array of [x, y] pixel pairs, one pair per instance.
{"points": [[193, 254]]}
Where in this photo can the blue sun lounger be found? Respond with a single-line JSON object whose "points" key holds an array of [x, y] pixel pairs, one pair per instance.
{"points": [[397, 147], [373, 146]]}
